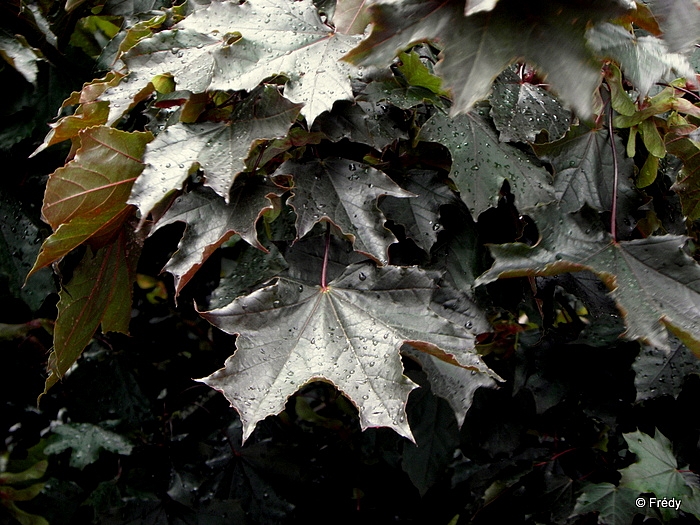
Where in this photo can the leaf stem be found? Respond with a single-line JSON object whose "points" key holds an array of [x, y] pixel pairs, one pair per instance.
{"points": [[613, 210], [324, 271]]}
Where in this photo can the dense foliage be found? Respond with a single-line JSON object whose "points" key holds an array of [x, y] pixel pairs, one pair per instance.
{"points": [[473, 224]]}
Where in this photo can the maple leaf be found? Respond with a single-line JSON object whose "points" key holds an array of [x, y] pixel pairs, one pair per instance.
{"points": [[232, 46], [420, 215], [347, 333], [480, 163], [614, 505], [98, 294], [211, 221], [220, 149], [86, 199], [654, 282], [679, 21], [659, 373], [344, 192], [584, 168], [85, 441], [351, 17], [644, 60], [656, 468], [520, 110], [476, 48]]}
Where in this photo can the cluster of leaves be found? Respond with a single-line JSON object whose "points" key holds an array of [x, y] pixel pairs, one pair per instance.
{"points": [[352, 218]]}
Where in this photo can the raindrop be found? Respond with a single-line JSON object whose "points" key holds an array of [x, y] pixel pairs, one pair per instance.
{"points": [[362, 276]]}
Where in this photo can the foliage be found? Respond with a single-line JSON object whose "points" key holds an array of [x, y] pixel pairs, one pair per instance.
{"points": [[474, 224]]}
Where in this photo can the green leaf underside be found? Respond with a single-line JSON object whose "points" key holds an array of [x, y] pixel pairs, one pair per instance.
{"points": [[659, 373], [654, 283], [219, 148], [656, 469], [99, 293], [476, 48], [86, 199], [276, 38], [614, 505], [644, 60], [480, 163], [344, 192], [348, 334], [86, 442], [521, 110], [584, 168], [211, 221]]}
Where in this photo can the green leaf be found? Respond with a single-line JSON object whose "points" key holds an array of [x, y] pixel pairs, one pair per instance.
{"points": [[420, 215], [584, 168], [36, 471], [99, 293], [658, 373], [211, 221], [417, 74], [437, 436], [219, 148], [480, 163], [644, 60], [231, 46], [656, 469], [400, 95], [521, 110], [614, 505], [688, 183], [654, 282], [86, 199], [476, 48], [344, 192], [349, 334], [86, 441]]}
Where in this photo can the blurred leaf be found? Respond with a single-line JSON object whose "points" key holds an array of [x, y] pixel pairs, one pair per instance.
{"points": [[17, 53], [86, 441]]}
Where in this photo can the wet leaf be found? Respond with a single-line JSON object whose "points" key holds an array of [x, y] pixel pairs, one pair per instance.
{"points": [[688, 183], [344, 192], [658, 372], [230, 46], [219, 148], [521, 110], [86, 442], [211, 221], [654, 282], [476, 48], [420, 215], [351, 16], [584, 168], [480, 163], [349, 334]]}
